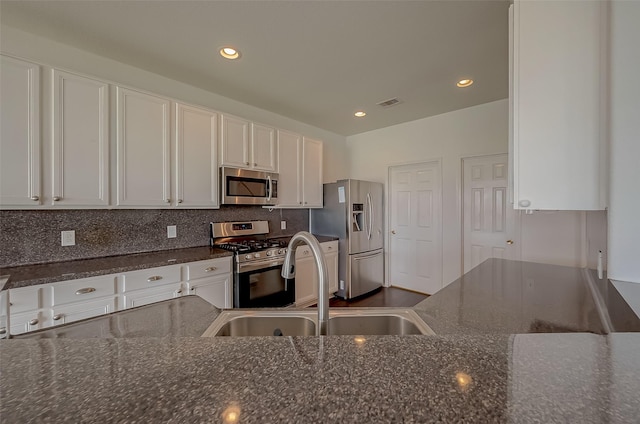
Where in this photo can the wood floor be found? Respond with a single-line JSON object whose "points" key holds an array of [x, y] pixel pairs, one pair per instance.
{"points": [[386, 296]]}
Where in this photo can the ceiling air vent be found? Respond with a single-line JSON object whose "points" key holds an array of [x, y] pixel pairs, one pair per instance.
{"points": [[390, 102]]}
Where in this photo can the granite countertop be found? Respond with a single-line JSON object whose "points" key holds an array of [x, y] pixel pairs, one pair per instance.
{"points": [[148, 365], [29, 275]]}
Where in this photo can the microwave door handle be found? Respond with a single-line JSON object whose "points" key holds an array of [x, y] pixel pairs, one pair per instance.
{"points": [[269, 188]]}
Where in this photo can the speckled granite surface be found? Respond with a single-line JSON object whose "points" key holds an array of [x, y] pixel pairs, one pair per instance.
{"points": [[33, 236], [582, 378], [502, 296], [30, 275]]}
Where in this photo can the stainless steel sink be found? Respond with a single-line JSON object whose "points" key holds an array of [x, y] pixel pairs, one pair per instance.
{"points": [[342, 321]]}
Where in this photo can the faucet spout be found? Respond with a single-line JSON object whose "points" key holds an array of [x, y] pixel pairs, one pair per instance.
{"points": [[289, 271]]}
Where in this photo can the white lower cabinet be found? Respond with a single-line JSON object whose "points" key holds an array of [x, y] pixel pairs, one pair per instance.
{"points": [[152, 295], [307, 273], [37, 307]]}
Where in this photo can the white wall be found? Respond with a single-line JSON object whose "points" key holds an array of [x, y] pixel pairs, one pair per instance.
{"points": [[624, 177], [450, 137], [31, 47]]}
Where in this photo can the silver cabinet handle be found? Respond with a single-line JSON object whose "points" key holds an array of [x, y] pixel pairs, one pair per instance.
{"points": [[85, 290], [3, 330], [509, 241], [524, 203], [35, 198], [255, 164], [179, 200], [179, 292], [57, 317], [211, 268], [34, 321], [193, 289], [57, 198], [306, 203], [167, 200], [246, 163], [300, 202], [329, 247], [154, 278]]}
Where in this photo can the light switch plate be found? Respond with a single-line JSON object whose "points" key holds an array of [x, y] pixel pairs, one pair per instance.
{"points": [[283, 225], [68, 238], [172, 231]]}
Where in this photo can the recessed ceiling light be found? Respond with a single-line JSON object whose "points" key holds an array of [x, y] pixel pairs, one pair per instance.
{"points": [[360, 113], [464, 83], [229, 53]]}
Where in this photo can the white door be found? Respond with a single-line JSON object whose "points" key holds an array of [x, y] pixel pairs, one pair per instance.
{"points": [[80, 141], [490, 222], [143, 149], [196, 157], [415, 254], [20, 133]]}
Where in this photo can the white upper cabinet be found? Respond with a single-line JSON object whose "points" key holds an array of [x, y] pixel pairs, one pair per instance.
{"points": [[196, 179], [311, 173], [20, 141], [80, 172], [143, 144], [559, 104], [289, 152], [234, 141], [263, 148], [247, 145], [300, 171]]}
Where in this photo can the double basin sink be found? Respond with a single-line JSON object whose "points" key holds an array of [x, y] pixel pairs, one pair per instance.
{"points": [[342, 321]]}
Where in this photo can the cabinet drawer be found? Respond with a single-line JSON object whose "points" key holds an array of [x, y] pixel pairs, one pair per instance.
{"points": [[136, 298], [151, 277], [26, 299], [208, 268], [327, 247], [84, 289]]}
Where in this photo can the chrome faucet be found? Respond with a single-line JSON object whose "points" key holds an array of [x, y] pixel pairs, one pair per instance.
{"points": [[289, 271]]}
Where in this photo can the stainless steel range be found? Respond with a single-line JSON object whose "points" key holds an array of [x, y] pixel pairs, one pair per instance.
{"points": [[258, 263]]}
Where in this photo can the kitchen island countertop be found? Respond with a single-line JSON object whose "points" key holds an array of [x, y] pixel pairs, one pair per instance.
{"points": [[466, 373]]}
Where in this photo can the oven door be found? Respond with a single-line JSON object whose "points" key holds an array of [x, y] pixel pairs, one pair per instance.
{"points": [[260, 285]]}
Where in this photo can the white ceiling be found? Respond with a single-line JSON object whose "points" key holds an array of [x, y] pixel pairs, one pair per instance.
{"points": [[313, 61]]}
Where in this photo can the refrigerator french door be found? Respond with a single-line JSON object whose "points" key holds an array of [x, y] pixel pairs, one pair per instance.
{"points": [[353, 213]]}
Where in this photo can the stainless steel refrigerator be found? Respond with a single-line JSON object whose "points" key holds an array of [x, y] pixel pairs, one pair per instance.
{"points": [[353, 213]]}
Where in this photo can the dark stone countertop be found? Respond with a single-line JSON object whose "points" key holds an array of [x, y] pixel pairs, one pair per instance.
{"points": [[29, 275], [148, 365], [504, 296]]}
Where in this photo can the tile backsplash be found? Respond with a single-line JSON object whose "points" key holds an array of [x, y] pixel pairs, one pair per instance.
{"points": [[30, 237]]}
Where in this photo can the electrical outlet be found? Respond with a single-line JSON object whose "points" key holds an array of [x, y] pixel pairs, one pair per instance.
{"points": [[172, 231], [68, 238], [283, 225]]}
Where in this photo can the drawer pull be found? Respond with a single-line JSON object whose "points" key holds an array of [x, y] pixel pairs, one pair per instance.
{"points": [[3, 330], [179, 292], [85, 290], [154, 278], [57, 317], [34, 321], [211, 268]]}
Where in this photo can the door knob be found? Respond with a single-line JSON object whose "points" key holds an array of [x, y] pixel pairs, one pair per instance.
{"points": [[393, 231], [509, 241]]}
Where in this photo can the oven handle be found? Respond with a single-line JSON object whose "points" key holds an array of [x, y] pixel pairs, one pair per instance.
{"points": [[257, 265]]}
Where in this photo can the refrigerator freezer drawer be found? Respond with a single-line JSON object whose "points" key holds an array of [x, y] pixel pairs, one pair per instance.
{"points": [[366, 273]]}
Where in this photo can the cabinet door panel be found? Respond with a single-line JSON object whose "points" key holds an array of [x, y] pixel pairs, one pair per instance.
{"points": [[263, 148], [289, 184], [205, 269], [306, 280], [143, 149], [20, 141], [83, 310], [196, 157], [152, 295], [80, 141], [216, 291], [312, 173], [151, 278], [234, 141], [27, 321]]}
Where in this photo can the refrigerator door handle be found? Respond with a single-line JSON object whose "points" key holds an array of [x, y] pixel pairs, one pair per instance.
{"points": [[362, 257], [370, 215]]}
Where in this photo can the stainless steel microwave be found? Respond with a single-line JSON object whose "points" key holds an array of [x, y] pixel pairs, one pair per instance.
{"points": [[248, 187]]}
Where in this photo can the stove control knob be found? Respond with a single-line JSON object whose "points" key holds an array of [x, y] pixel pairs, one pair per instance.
{"points": [[256, 255], [270, 253], [248, 257], [280, 251]]}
